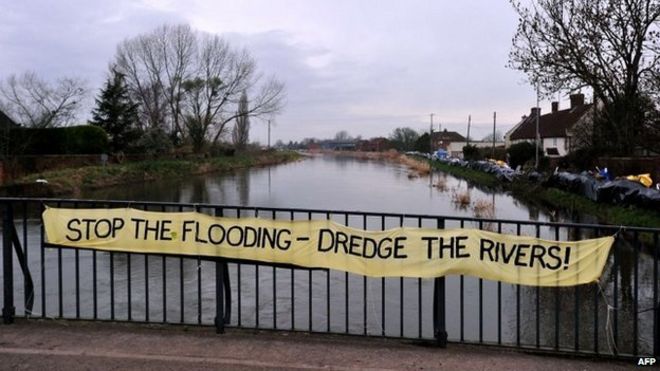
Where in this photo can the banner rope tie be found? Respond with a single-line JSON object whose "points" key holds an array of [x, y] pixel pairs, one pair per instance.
{"points": [[609, 331]]}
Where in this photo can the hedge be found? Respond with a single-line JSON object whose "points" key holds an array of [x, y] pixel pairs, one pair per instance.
{"points": [[84, 139]]}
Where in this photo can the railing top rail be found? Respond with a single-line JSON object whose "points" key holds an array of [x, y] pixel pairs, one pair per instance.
{"points": [[125, 203]]}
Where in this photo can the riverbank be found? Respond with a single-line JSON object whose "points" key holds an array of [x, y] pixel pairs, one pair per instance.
{"points": [[72, 181], [557, 199], [417, 166], [532, 192]]}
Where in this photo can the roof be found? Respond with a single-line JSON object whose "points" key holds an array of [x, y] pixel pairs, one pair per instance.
{"points": [[448, 136], [6, 120], [551, 125]]}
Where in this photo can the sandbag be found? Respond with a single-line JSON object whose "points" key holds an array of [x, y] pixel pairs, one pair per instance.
{"points": [[620, 191]]}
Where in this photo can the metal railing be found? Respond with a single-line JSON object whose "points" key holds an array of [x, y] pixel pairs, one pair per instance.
{"points": [[619, 316]]}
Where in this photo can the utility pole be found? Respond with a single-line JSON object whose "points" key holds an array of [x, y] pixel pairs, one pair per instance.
{"points": [[494, 125], [468, 131], [431, 135], [268, 134], [536, 141]]}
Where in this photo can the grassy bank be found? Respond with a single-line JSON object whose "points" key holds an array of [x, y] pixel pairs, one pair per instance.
{"points": [[71, 181], [559, 199], [416, 165]]}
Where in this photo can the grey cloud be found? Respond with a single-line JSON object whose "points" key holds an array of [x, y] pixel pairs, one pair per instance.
{"points": [[366, 69]]}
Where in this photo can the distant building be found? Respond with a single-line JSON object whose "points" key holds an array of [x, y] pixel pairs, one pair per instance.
{"points": [[455, 149], [443, 139], [453, 143], [312, 146], [343, 146], [560, 131], [374, 145]]}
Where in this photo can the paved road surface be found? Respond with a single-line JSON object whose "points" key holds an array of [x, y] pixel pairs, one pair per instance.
{"points": [[62, 345]]}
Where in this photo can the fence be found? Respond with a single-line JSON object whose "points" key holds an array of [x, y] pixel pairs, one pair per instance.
{"points": [[619, 316]]}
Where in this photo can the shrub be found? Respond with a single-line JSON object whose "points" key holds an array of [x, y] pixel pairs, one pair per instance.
{"points": [[580, 159], [154, 141], [471, 153], [474, 153], [84, 139], [521, 153]]}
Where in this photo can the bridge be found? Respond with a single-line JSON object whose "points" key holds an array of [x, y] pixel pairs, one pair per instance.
{"points": [[617, 318]]}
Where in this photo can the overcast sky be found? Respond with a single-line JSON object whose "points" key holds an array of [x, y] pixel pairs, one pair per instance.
{"points": [[362, 66]]}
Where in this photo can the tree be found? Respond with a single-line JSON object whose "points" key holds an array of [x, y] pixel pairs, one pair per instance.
{"points": [[521, 153], [471, 153], [489, 137], [422, 144], [182, 76], [116, 113], [241, 133], [37, 103], [155, 65], [342, 136], [610, 46], [404, 138]]}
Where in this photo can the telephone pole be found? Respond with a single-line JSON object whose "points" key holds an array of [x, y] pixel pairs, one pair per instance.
{"points": [[468, 131], [268, 134], [494, 124], [431, 134], [536, 141]]}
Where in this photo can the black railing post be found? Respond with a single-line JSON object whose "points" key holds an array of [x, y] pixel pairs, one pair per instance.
{"points": [[656, 338], [439, 319], [8, 309], [219, 296]]}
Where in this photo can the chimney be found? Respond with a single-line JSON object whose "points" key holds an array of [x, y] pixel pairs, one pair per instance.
{"points": [[535, 111], [577, 100], [555, 107]]}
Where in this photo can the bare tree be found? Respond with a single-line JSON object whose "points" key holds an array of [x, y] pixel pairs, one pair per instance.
{"points": [[179, 75], [241, 132], [610, 46], [37, 103], [268, 101], [155, 65], [489, 138], [342, 136], [404, 138], [222, 75]]}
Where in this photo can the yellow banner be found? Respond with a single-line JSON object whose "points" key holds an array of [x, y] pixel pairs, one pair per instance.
{"points": [[398, 252]]}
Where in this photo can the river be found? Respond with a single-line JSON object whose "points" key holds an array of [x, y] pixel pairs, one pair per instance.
{"points": [[342, 183]]}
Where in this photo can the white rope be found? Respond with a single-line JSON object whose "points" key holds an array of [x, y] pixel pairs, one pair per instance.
{"points": [[609, 331]]}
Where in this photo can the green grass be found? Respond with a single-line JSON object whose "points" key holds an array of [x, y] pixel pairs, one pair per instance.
{"points": [[67, 181], [559, 199], [477, 177]]}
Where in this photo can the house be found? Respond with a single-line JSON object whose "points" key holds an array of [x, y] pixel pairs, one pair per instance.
{"points": [[6, 123], [560, 131], [443, 139], [453, 143]]}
